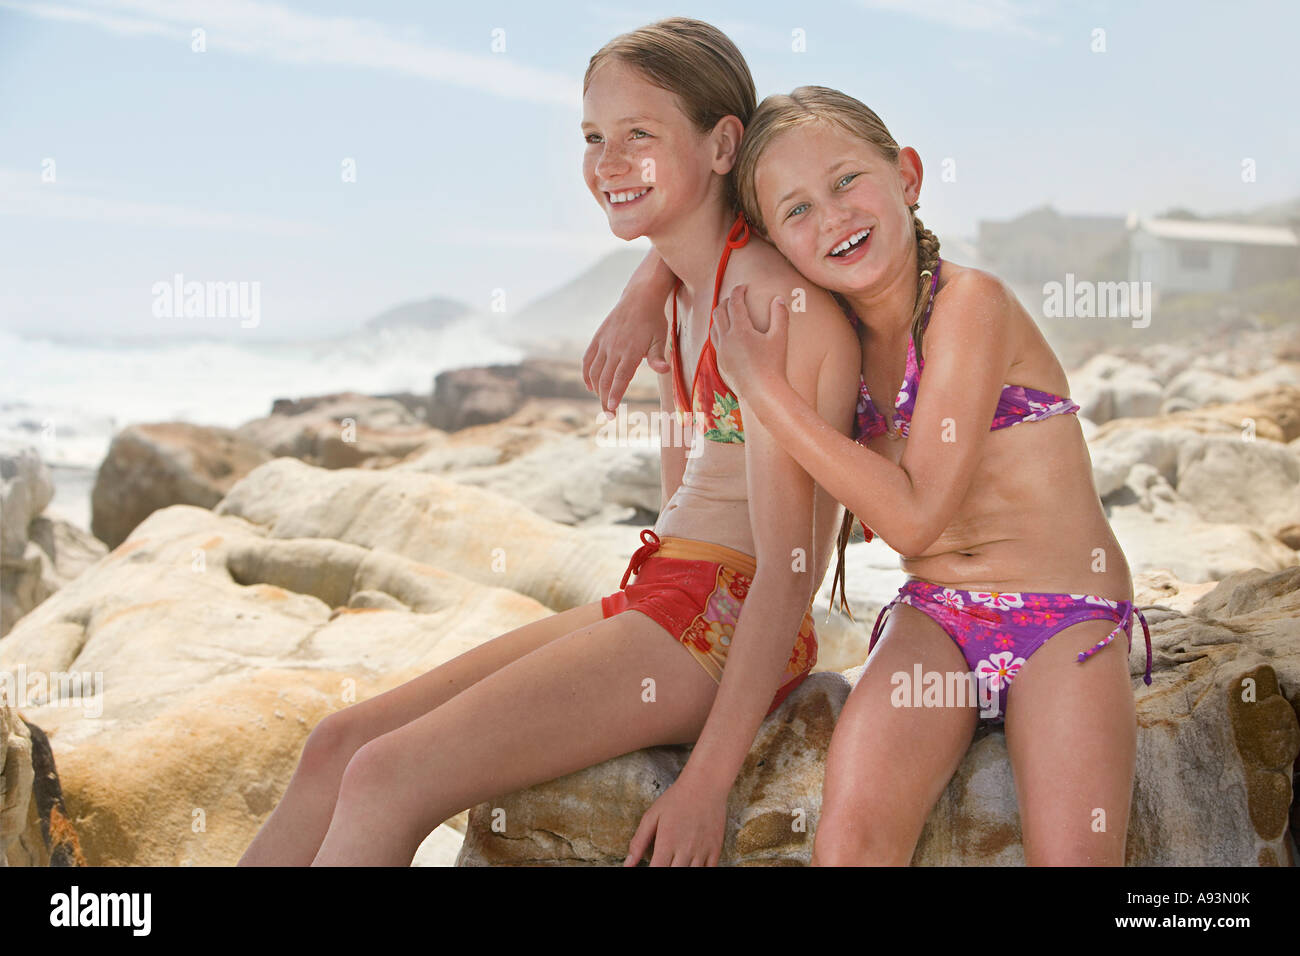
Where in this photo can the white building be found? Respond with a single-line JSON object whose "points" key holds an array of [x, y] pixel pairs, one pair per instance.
{"points": [[1197, 255]]}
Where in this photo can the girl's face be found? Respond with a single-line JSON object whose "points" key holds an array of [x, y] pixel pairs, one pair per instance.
{"points": [[837, 208], [645, 162]]}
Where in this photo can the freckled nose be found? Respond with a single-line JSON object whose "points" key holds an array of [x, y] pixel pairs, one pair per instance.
{"points": [[611, 161]]}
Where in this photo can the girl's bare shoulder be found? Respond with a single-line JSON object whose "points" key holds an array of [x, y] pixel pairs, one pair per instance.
{"points": [[974, 297], [768, 274]]}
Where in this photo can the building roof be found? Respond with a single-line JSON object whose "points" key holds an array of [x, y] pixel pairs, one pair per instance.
{"points": [[1205, 230], [1047, 214]]}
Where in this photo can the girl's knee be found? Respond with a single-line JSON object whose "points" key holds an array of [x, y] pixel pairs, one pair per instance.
{"points": [[840, 842], [1082, 852], [330, 745]]}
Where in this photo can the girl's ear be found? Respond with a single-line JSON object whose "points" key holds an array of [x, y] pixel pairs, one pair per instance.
{"points": [[726, 137], [911, 173]]}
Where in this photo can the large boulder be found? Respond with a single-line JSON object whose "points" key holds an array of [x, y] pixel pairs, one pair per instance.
{"points": [[38, 553], [1108, 387], [481, 395], [1218, 736], [345, 430], [568, 478], [168, 463], [304, 590], [588, 817], [1193, 493], [34, 827], [1199, 386], [211, 647], [482, 536]]}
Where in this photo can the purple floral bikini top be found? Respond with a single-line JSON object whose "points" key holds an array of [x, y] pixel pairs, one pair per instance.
{"points": [[1015, 405]]}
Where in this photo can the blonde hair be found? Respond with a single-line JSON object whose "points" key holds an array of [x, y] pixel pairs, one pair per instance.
{"points": [[805, 106], [696, 62]]}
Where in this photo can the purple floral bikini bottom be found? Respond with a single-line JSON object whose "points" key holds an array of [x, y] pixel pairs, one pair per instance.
{"points": [[997, 631]]}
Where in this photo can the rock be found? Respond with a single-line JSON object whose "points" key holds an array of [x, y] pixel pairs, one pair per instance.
{"points": [[1289, 535], [479, 535], [152, 466], [26, 487], [40, 554], [17, 776], [34, 827], [1108, 387], [206, 629], [1204, 503], [588, 817], [477, 396], [1217, 740], [1173, 536], [1273, 415], [573, 480], [1242, 482], [1196, 387], [344, 430], [1162, 588]]}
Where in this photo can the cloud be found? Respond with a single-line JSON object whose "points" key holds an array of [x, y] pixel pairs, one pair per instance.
{"points": [[276, 32], [23, 194], [988, 16]]}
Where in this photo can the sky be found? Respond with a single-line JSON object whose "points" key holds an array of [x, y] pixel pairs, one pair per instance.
{"points": [[133, 149]]}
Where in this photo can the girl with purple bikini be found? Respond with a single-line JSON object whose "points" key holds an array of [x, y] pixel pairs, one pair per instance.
{"points": [[1014, 574]]}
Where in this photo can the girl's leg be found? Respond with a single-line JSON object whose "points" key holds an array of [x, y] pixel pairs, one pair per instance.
{"points": [[1072, 737], [887, 765], [293, 832], [572, 703]]}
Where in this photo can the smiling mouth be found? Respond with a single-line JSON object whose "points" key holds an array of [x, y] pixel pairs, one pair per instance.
{"points": [[851, 243], [627, 196]]}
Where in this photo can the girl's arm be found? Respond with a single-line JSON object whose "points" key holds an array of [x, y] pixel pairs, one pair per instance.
{"points": [[781, 496], [967, 347], [634, 329]]}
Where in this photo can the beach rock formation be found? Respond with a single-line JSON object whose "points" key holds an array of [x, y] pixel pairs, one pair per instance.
{"points": [[38, 553], [34, 827], [346, 430], [304, 590], [152, 466], [1201, 494], [478, 396], [589, 817]]}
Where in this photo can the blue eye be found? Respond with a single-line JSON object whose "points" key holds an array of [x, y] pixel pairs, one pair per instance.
{"points": [[846, 177], [635, 131], [795, 209]]}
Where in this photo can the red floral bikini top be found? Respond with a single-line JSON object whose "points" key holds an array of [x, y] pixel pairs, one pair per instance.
{"points": [[712, 403]]}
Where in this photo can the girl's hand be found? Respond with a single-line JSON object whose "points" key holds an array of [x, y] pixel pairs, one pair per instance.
{"points": [[686, 825], [634, 329], [748, 357]]}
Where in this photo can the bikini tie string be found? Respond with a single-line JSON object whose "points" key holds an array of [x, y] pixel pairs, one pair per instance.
{"points": [[650, 544], [1126, 620]]}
